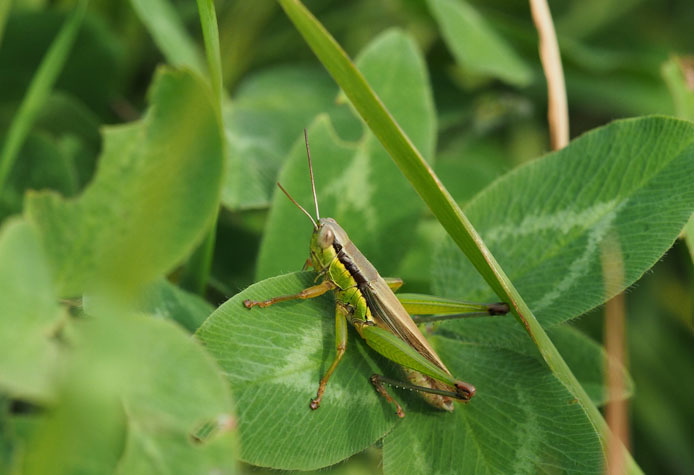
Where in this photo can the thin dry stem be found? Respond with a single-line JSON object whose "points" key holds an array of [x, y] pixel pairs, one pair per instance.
{"points": [[616, 410], [557, 110]]}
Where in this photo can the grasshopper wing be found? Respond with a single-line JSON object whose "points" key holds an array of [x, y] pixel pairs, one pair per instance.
{"points": [[389, 314]]}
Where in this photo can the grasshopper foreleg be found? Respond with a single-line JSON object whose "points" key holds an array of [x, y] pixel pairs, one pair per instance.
{"points": [[308, 293]]}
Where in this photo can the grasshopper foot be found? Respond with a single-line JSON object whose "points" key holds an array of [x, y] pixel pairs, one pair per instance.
{"points": [[315, 402], [500, 308], [248, 303]]}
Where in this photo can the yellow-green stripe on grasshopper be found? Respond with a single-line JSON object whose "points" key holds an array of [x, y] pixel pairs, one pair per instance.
{"points": [[367, 301]]}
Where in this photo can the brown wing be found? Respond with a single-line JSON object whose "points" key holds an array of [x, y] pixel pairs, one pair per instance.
{"points": [[389, 313]]}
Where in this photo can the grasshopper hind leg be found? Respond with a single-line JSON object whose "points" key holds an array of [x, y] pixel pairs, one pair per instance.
{"points": [[377, 380], [434, 392]]}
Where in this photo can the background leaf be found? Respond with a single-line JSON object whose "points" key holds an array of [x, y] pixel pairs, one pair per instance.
{"points": [[170, 161], [587, 359], [350, 176], [134, 411], [98, 49], [165, 300], [411, 163], [625, 179], [273, 360], [657, 346], [168, 32], [30, 315], [262, 122], [477, 48], [168, 399], [521, 420], [43, 164], [620, 58], [59, 153], [85, 418]]}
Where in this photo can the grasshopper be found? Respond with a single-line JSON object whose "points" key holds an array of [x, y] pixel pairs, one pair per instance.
{"points": [[367, 301]]}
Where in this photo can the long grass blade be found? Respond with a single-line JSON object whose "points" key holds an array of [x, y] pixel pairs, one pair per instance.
{"points": [[39, 90]]}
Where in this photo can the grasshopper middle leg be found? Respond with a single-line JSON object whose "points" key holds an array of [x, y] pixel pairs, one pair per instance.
{"points": [[341, 315]]}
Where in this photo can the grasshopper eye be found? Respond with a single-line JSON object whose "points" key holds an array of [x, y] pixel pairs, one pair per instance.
{"points": [[326, 237]]}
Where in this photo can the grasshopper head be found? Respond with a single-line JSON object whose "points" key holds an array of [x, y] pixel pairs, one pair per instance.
{"points": [[327, 240]]}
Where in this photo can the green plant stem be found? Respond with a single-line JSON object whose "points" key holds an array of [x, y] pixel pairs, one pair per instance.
{"points": [[210, 34], [169, 33], [197, 270], [39, 89], [5, 7], [432, 191]]}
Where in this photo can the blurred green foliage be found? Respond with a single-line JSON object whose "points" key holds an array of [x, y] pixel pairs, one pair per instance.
{"points": [[123, 164]]}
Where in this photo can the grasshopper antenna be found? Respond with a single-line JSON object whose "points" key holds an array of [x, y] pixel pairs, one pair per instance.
{"points": [[310, 169], [315, 225]]}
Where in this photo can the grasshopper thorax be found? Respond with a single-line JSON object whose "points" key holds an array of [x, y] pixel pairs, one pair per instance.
{"points": [[327, 240]]}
